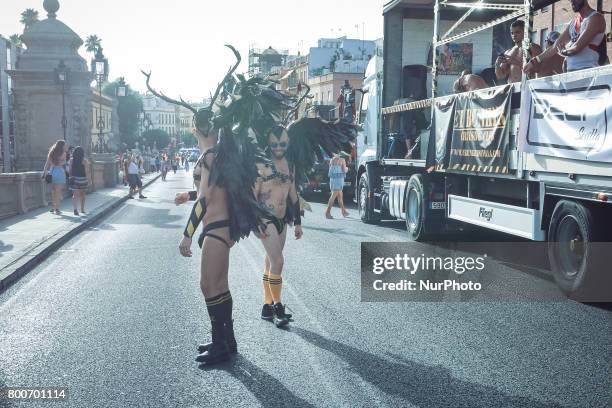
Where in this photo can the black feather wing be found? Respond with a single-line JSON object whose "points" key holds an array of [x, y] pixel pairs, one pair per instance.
{"points": [[311, 137]]}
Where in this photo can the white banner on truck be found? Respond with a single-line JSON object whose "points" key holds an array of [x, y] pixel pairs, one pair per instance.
{"points": [[568, 119]]}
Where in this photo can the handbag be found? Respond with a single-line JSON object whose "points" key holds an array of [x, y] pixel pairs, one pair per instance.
{"points": [[48, 178]]}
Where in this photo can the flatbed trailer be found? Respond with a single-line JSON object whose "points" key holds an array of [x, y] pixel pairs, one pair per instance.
{"points": [[534, 187]]}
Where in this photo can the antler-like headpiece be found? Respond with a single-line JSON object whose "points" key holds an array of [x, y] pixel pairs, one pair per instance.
{"points": [[297, 105]]}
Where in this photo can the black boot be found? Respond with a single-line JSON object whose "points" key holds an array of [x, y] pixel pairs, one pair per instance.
{"points": [[267, 312], [280, 318], [218, 350], [229, 335]]}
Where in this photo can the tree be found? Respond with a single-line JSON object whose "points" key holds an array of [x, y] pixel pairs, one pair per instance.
{"points": [[16, 40], [188, 139], [29, 17], [128, 110], [93, 43], [158, 137]]}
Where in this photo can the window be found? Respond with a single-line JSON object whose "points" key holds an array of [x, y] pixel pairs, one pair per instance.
{"points": [[543, 36]]}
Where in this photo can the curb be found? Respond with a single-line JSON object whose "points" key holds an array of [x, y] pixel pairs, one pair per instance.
{"points": [[45, 248]]}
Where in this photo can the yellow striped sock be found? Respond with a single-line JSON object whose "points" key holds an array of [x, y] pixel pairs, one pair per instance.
{"points": [[276, 286], [266, 287]]}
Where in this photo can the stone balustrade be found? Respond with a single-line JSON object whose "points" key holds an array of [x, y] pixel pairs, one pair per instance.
{"points": [[23, 192]]}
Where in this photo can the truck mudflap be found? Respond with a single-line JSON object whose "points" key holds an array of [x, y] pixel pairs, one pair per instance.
{"points": [[519, 221]]}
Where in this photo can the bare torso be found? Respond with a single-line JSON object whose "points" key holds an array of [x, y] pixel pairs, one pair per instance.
{"points": [[274, 191], [216, 197], [515, 58]]}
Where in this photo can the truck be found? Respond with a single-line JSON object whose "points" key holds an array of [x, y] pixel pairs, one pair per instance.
{"points": [[530, 159]]}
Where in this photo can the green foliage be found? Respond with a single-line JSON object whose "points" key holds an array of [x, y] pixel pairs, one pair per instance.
{"points": [[128, 110], [16, 40], [92, 43], [157, 137], [188, 139], [29, 17]]}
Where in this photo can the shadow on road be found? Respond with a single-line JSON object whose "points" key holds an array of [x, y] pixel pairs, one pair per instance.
{"points": [[5, 248], [4, 401], [415, 383], [156, 217], [269, 391]]}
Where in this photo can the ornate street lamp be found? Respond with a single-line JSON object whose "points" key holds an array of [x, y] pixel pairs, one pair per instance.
{"points": [[62, 77], [99, 66], [122, 89]]}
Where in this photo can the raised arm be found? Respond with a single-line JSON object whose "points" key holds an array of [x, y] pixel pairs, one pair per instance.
{"points": [[534, 65], [502, 67]]}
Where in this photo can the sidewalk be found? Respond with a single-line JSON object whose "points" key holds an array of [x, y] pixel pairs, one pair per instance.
{"points": [[27, 239]]}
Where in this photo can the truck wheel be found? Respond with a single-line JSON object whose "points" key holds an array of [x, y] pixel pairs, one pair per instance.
{"points": [[364, 203], [415, 208], [574, 261]]}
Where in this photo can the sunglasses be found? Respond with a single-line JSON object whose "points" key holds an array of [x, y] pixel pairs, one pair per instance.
{"points": [[275, 145]]}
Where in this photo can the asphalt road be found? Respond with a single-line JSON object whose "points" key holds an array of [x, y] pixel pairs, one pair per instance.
{"points": [[116, 315]]}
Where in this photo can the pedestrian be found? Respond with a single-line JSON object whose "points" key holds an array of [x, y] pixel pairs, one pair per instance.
{"points": [[125, 163], [337, 173], [134, 178], [157, 164], [79, 178], [186, 166], [175, 164], [165, 166], [54, 173]]}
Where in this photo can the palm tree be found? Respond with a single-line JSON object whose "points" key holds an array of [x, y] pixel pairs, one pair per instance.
{"points": [[16, 40], [92, 43], [29, 17]]}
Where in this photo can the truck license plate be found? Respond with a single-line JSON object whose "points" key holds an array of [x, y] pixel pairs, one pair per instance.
{"points": [[438, 205]]}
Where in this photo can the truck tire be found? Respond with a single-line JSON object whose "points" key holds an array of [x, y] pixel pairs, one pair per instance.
{"points": [[575, 263], [415, 207], [364, 203]]}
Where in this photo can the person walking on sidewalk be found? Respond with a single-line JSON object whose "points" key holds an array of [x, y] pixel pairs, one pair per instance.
{"points": [[165, 166], [55, 173], [337, 173], [79, 178], [134, 179]]}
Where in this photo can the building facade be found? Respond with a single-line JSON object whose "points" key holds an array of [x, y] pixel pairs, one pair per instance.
{"points": [[557, 16], [340, 55], [160, 114], [8, 61], [326, 90]]}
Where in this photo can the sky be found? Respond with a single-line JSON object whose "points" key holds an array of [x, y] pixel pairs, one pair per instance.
{"points": [[181, 41]]}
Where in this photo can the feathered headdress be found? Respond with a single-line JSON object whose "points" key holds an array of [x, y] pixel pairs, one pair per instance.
{"points": [[309, 138]]}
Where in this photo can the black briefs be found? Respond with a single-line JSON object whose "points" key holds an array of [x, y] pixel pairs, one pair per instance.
{"points": [[279, 223], [213, 226]]}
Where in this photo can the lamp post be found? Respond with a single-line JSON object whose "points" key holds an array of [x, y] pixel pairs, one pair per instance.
{"points": [[122, 89], [62, 76], [121, 92], [99, 66]]}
